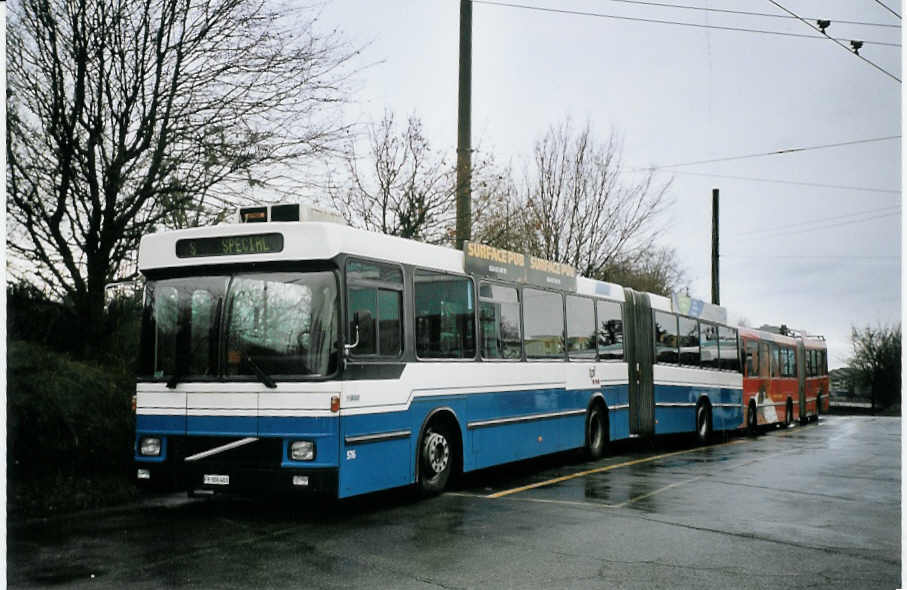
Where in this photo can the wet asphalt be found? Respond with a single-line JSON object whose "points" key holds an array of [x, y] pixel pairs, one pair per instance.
{"points": [[809, 506]]}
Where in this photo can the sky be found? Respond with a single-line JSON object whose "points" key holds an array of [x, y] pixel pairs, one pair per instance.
{"points": [[817, 258]]}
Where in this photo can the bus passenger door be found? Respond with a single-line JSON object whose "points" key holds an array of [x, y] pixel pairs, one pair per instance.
{"points": [[640, 356]]}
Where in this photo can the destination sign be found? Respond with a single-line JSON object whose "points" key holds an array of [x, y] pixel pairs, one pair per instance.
{"points": [[229, 245], [491, 262]]}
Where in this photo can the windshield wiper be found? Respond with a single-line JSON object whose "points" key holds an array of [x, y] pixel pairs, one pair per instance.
{"points": [[175, 378], [262, 376]]}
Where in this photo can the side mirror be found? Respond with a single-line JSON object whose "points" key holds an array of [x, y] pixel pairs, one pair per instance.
{"points": [[355, 329]]}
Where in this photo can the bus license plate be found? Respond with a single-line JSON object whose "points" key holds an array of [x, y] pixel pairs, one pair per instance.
{"points": [[218, 480]]}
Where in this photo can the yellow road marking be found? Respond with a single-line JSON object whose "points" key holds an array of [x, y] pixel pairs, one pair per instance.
{"points": [[607, 468], [658, 491]]}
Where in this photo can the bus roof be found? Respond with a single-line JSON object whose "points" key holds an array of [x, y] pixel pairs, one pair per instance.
{"points": [[311, 240]]}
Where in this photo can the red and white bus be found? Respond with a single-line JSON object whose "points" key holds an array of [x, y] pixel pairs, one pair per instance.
{"points": [[785, 377]]}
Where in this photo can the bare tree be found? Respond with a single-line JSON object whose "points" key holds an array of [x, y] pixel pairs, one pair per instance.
{"points": [[127, 115], [655, 270], [575, 207], [876, 362], [399, 187], [402, 186]]}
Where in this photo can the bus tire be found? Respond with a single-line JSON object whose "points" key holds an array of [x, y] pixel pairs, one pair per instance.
{"points": [[436, 458], [596, 432], [788, 413], [752, 420], [703, 422]]}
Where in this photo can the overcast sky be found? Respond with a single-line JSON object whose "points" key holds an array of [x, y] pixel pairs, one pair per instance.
{"points": [[817, 258]]}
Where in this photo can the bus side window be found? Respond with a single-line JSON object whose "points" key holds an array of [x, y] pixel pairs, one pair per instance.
{"points": [[728, 351], [688, 341], [752, 358], [708, 345], [610, 330], [765, 366], [445, 315], [375, 296], [580, 328], [665, 337], [499, 321], [776, 360], [543, 321]]}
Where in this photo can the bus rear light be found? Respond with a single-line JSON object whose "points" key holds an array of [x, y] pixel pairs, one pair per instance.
{"points": [[335, 403], [134, 404]]}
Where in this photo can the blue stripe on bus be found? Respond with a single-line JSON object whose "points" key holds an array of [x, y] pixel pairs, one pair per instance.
{"points": [[154, 424]]}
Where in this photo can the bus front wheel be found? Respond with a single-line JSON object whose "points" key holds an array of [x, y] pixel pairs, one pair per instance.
{"points": [[436, 457]]}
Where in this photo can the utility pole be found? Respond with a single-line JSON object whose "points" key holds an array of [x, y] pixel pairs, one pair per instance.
{"points": [[464, 148], [715, 296]]}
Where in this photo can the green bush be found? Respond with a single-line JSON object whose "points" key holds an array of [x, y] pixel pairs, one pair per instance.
{"points": [[66, 417]]}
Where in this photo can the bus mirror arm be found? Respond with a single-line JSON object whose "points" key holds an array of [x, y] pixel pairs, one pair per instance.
{"points": [[348, 347]]}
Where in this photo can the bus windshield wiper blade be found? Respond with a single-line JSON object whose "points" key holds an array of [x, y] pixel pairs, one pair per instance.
{"points": [[174, 379], [262, 376]]}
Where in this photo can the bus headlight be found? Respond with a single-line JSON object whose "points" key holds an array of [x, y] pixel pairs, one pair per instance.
{"points": [[150, 446], [302, 450]]}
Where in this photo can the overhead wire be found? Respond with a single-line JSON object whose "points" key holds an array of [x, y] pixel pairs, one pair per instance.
{"points": [[666, 22], [802, 230], [887, 210], [775, 181], [747, 13], [885, 6], [778, 152], [837, 42]]}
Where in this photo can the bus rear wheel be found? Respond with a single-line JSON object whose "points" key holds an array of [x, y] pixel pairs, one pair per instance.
{"points": [[436, 458], [596, 432], [703, 423]]}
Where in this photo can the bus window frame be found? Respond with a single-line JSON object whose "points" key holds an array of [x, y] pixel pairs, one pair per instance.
{"points": [[387, 286], [477, 345], [549, 359], [737, 337], [698, 364], [566, 337], [623, 344], [655, 360], [519, 294], [746, 365]]}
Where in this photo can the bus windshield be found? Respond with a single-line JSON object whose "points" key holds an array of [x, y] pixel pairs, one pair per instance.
{"points": [[281, 324]]}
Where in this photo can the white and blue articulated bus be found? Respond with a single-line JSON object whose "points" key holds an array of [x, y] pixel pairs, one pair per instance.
{"points": [[309, 356]]}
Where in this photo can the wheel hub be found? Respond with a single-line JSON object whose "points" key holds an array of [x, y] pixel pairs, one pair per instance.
{"points": [[437, 452]]}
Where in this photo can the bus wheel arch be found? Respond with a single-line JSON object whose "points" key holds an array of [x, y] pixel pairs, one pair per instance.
{"points": [[439, 451], [597, 431], [704, 420]]}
